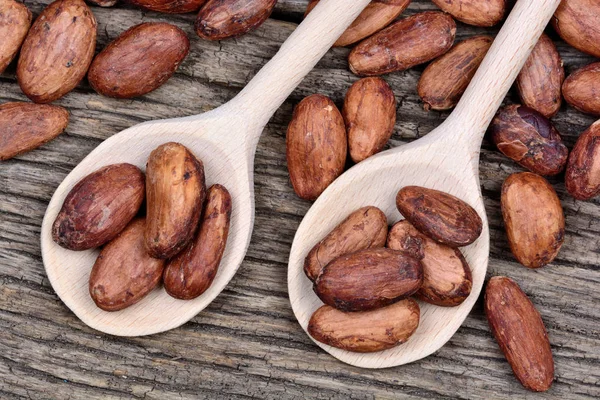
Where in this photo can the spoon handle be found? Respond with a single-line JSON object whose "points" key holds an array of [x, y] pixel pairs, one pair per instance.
{"points": [[265, 93], [498, 71]]}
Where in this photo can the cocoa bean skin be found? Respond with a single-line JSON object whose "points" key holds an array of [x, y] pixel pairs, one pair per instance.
{"points": [[474, 12], [408, 42], [192, 271], [447, 278], [15, 20], [124, 272], [139, 61], [316, 146], [540, 80], [366, 331], [57, 51], [27, 126], [370, 115], [99, 207], [582, 178], [363, 229], [223, 19], [369, 279], [445, 80], [527, 137], [376, 16], [533, 218], [520, 332], [577, 21], [581, 89], [175, 193], [169, 6], [441, 216]]}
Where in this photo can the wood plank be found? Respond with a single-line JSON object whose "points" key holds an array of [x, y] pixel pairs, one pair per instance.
{"points": [[247, 344]]}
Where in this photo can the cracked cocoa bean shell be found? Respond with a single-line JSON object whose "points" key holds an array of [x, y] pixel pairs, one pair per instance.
{"points": [[370, 115], [527, 137], [369, 279], [57, 51], [577, 21], [474, 12], [99, 207], [26, 126], [366, 331], [447, 278], [363, 229], [540, 80], [192, 271], [582, 178], [223, 19], [316, 146], [408, 42], [376, 16], [445, 80], [520, 332], [124, 272], [533, 218], [175, 193], [15, 20], [581, 89], [140, 60], [439, 215]]}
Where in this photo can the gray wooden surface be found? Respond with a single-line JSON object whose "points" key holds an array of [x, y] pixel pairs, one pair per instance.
{"points": [[247, 344]]}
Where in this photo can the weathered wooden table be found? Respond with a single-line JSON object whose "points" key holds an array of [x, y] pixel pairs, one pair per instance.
{"points": [[247, 344]]}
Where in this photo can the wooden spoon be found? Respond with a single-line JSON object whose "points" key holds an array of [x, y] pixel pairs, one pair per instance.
{"points": [[225, 139], [446, 159]]}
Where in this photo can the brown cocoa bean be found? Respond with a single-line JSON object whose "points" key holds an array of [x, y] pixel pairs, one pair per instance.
{"points": [[366, 331], [581, 89], [99, 207], [540, 80], [447, 279], [527, 137], [376, 16], [445, 80], [533, 218], [192, 271], [169, 6], [577, 21], [474, 12], [15, 20], [175, 191], [316, 146], [27, 126], [124, 272], [57, 51], [363, 229], [369, 279], [582, 178], [441, 216], [140, 60], [223, 19], [370, 115], [410, 41], [520, 333]]}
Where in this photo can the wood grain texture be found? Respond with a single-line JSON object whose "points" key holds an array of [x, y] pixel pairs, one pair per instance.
{"points": [[247, 343]]}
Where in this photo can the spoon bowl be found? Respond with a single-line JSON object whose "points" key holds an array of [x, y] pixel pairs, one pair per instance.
{"points": [[375, 182], [69, 271], [225, 139], [447, 159]]}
